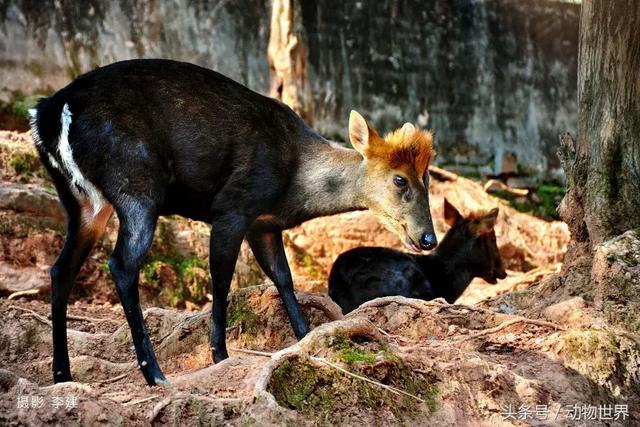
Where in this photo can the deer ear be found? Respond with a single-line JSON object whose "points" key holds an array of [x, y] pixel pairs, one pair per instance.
{"points": [[451, 214], [359, 132], [486, 223], [407, 129]]}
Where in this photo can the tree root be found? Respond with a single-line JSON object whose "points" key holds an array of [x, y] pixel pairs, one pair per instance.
{"points": [[252, 352], [19, 294], [351, 327], [442, 174], [512, 322], [322, 303], [92, 319], [136, 402], [31, 313]]}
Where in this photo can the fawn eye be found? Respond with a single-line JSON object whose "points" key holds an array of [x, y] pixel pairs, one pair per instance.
{"points": [[400, 181]]}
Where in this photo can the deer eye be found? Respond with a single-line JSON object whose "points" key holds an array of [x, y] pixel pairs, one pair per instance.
{"points": [[400, 181]]}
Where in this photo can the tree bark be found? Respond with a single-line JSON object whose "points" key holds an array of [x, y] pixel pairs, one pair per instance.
{"points": [[288, 58], [603, 170]]}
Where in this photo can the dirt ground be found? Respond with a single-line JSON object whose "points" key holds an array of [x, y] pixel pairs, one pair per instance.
{"points": [[528, 351]]}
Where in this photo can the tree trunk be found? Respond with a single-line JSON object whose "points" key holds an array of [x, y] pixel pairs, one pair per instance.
{"points": [[288, 58], [602, 204], [603, 171]]}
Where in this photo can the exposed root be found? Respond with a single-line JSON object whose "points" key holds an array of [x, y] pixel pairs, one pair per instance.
{"points": [[31, 313], [418, 305], [442, 174], [136, 402], [92, 319], [114, 379], [513, 322], [24, 293], [322, 303], [253, 352]]}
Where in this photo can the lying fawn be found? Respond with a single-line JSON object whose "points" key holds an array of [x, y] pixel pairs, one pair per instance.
{"points": [[158, 137], [467, 250]]}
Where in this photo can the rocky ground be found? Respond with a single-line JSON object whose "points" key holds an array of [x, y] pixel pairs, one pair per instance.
{"points": [[536, 349]]}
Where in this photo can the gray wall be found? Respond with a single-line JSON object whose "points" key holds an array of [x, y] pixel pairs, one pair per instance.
{"points": [[486, 75], [44, 43]]}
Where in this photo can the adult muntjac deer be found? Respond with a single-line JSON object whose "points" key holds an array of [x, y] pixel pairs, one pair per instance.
{"points": [[157, 137]]}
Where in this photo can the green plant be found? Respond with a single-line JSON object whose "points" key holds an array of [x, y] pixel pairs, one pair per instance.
{"points": [[242, 315], [22, 105], [26, 166], [191, 278]]}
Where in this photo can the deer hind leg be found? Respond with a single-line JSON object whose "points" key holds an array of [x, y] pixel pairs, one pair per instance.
{"points": [[138, 219], [83, 229]]}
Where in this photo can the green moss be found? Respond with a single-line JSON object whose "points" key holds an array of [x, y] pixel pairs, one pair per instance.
{"points": [[473, 175], [22, 105], [6, 228], [330, 396], [242, 315], [195, 276], [607, 359], [348, 352], [541, 203], [151, 273], [104, 266], [549, 194], [306, 261], [26, 166], [192, 278]]}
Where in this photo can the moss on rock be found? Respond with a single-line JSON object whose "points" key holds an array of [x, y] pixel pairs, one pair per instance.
{"points": [[306, 385], [606, 358]]}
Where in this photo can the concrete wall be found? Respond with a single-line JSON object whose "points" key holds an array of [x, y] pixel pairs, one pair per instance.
{"points": [[44, 43], [488, 76]]}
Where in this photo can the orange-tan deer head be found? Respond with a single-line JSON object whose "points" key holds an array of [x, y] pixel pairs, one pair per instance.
{"points": [[395, 179]]}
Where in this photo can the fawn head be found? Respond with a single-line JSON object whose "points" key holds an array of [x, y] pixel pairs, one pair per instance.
{"points": [[473, 241]]}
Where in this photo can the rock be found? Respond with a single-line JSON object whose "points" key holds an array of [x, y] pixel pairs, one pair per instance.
{"points": [[19, 279], [523, 181], [572, 312], [615, 275], [33, 200]]}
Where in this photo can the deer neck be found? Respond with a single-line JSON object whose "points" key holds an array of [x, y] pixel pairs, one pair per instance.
{"points": [[328, 181]]}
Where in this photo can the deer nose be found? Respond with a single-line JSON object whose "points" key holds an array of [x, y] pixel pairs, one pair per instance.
{"points": [[428, 241]]}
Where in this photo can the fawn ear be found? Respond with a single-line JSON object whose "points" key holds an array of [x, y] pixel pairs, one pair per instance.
{"points": [[486, 223], [451, 214], [360, 133]]}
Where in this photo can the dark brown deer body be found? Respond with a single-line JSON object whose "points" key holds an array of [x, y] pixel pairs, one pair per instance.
{"points": [[468, 250], [156, 137]]}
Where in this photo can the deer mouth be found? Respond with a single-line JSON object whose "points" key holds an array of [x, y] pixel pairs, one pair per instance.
{"points": [[411, 244]]}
